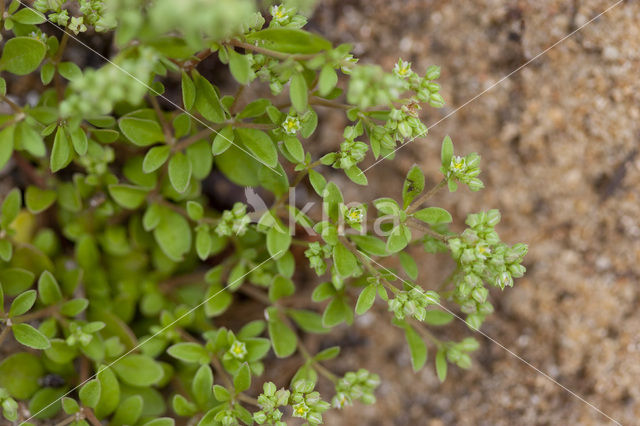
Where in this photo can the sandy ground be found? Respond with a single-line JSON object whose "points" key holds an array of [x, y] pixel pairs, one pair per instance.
{"points": [[559, 142]]}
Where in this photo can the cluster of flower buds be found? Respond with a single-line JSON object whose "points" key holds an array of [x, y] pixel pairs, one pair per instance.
{"points": [[458, 353], [9, 406], [403, 124], [306, 402], [351, 151], [413, 303], [317, 253], [426, 89], [269, 400], [483, 258], [97, 91], [92, 13], [234, 221], [370, 86], [466, 170], [356, 386], [82, 334]]}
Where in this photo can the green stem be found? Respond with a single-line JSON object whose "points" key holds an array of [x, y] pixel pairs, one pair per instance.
{"points": [[365, 261], [57, 79], [299, 242], [180, 280], [256, 294], [328, 103], [15, 107], [296, 181], [26, 167], [215, 362], [89, 415], [11, 122], [424, 197], [4, 333], [426, 333], [45, 312], [68, 420], [246, 398], [232, 108], [220, 371], [192, 63], [419, 326], [192, 139], [61, 47], [319, 367], [214, 129], [268, 52], [416, 224], [176, 208], [166, 127]]}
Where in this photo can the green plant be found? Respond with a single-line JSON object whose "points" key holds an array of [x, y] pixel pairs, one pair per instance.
{"points": [[116, 271]]}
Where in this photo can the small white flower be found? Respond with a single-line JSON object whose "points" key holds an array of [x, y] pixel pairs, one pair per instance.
{"points": [[482, 251], [300, 410], [340, 400], [402, 69], [279, 14], [458, 165], [291, 125], [238, 350], [355, 215], [505, 280]]}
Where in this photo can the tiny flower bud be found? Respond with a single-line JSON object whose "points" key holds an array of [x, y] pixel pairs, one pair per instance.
{"points": [[433, 72], [314, 417], [269, 388], [259, 417]]}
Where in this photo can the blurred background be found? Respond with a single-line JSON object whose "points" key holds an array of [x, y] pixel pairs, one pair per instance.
{"points": [[559, 143]]}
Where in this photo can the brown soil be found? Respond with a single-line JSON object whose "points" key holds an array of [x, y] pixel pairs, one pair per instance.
{"points": [[559, 142]]}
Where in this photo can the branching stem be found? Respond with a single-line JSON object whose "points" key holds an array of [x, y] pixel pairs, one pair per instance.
{"points": [[15, 107], [424, 197], [269, 52], [4, 333], [416, 224], [166, 127]]}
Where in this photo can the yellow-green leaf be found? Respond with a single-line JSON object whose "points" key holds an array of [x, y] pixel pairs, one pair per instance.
{"points": [[48, 289], [179, 172], [61, 154], [298, 92], [239, 66], [38, 200], [6, 145], [141, 131], [29, 336], [22, 55], [128, 196], [260, 145]]}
